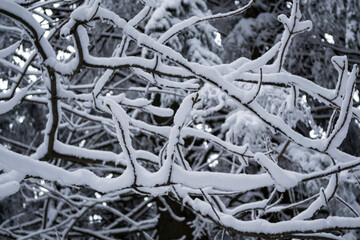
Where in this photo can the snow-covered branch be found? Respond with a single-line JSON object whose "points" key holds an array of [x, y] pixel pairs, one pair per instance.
{"points": [[124, 126]]}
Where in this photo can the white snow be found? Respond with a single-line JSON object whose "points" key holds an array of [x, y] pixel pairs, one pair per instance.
{"points": [[9, 50]]}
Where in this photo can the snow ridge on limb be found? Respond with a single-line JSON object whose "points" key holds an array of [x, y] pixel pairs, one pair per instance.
{"points": [[284, 180], [180, 119], [9, 105], [292, 26], [122, 128], [177, 28], [9, 50], [342, 125]]}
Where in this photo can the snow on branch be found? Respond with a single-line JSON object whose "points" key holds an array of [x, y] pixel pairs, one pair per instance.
{"points": [[111, 125]]}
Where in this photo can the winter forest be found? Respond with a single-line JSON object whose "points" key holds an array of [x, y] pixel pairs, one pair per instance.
{"points": [[179, 119]]}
